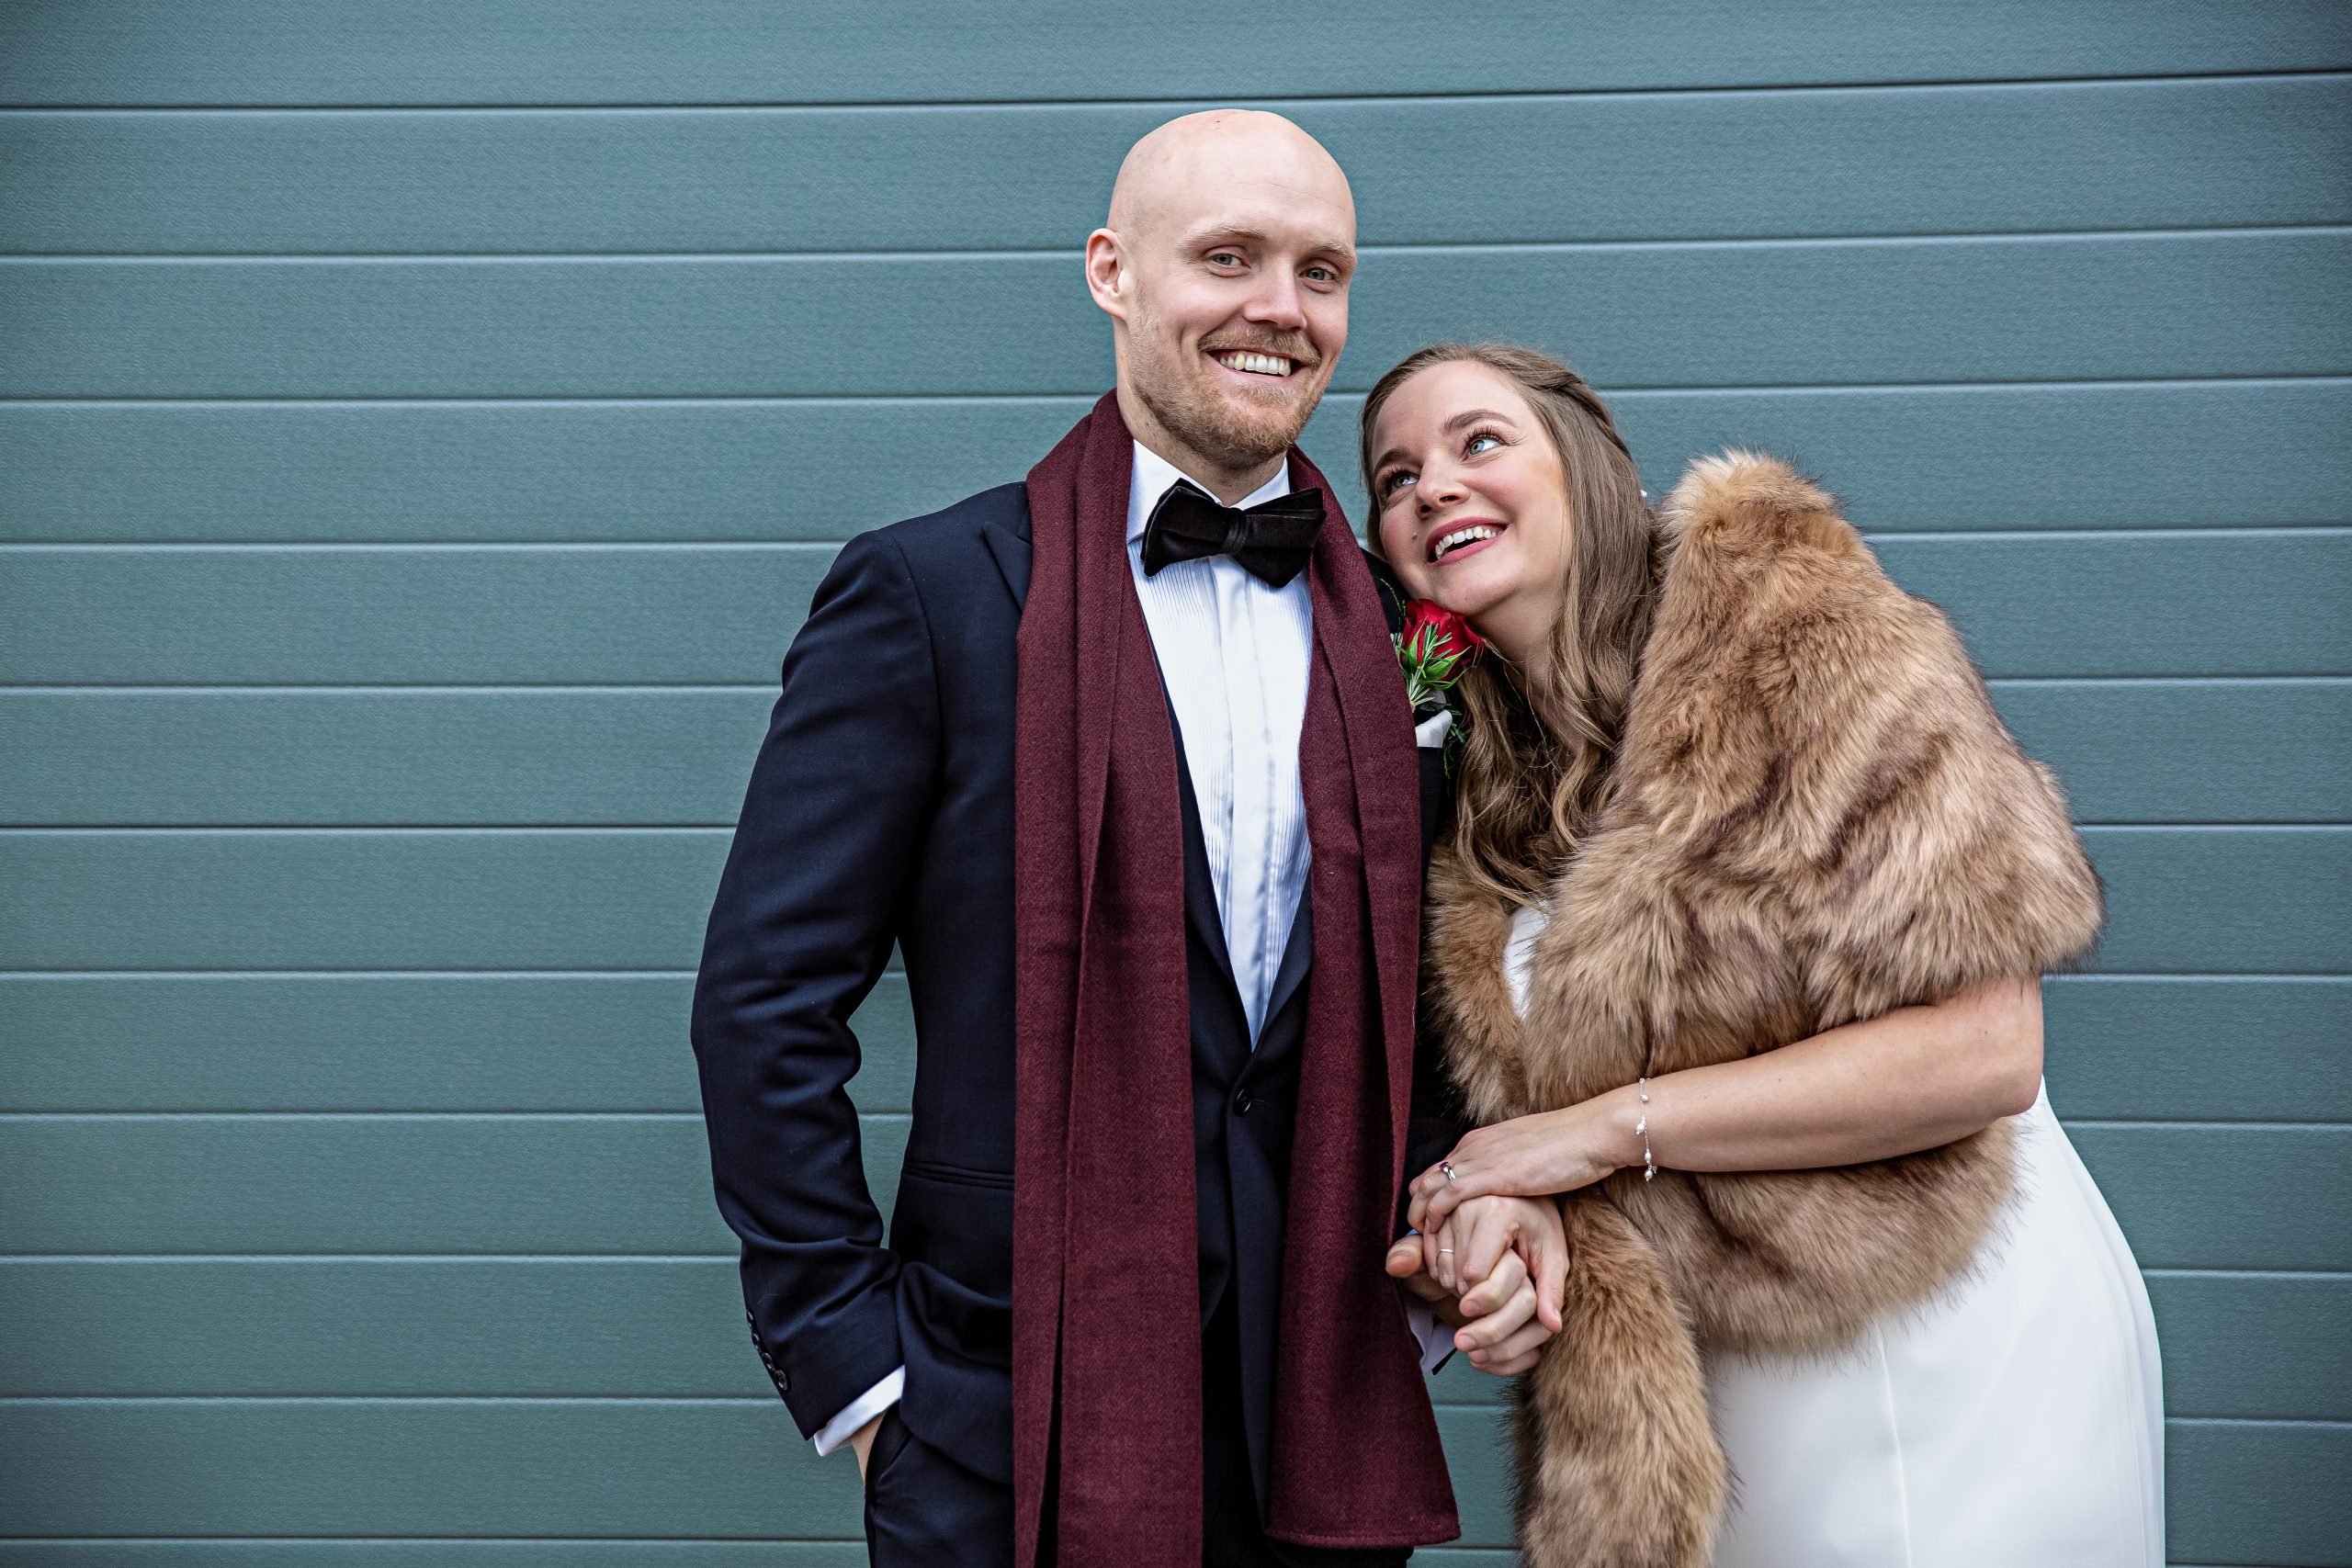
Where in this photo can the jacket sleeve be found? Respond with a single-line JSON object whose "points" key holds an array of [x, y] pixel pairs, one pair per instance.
{"points": [[805, 915]]}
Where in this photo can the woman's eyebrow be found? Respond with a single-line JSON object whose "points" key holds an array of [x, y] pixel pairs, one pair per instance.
{"points": [[1467, 417]]}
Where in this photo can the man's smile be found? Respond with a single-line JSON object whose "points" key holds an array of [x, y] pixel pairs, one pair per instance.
{"points": [[1252, 362]]}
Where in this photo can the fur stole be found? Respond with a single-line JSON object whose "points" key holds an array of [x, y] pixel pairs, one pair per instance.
{"points": [[1816, 817]]}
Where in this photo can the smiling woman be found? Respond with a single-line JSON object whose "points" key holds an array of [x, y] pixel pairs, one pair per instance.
{"points": [[1736, 959], [1501, 489]]}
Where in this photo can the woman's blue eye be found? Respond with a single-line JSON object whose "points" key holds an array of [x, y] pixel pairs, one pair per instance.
{"points": [[1388, 485], [1473, 447]]}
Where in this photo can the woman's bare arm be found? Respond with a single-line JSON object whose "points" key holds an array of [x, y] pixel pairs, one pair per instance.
{"points": [[1912, 1079]]}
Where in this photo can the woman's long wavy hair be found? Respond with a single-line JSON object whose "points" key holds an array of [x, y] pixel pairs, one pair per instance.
{"points": [[1536, 763]]}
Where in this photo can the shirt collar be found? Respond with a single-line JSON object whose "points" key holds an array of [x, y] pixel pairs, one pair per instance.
{"points": [[1154, 475]]}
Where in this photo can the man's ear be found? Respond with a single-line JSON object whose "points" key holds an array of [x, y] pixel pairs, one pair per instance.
{"points": [[1106, 273]]}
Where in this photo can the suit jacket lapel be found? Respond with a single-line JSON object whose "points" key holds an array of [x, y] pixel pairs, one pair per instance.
{"points": [[1298, 957]]}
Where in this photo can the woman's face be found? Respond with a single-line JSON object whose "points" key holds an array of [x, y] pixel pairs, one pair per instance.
{"points": [[1472, 506]]}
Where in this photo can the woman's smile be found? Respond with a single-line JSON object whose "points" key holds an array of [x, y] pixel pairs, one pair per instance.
{"points": [[1463, 539]]}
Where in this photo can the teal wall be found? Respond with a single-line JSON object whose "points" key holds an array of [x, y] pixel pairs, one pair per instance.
{"points": [[423, 425]]}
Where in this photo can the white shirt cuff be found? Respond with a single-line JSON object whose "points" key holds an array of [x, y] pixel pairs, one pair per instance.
{"points": [[1432, 731], [861, 1410], [1434, 1333]]}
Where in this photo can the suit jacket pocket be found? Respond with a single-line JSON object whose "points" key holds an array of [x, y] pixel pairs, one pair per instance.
{"points": [[959, 1176], [959, 1221]]}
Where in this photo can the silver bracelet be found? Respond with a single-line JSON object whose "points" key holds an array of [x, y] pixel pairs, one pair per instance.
{"points": [[1641, 1131]]}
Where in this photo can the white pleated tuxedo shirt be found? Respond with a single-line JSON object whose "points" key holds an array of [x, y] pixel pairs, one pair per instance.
{"points": [[1234, 654]]}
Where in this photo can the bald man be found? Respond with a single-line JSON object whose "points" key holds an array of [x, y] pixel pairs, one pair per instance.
{"points": [[1073, 746]]}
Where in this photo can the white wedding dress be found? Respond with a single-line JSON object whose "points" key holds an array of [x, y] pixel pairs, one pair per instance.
{"points": [[2016, 1420]]}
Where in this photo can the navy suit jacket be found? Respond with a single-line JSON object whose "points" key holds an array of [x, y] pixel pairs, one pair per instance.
{"points": [[880, 812]]}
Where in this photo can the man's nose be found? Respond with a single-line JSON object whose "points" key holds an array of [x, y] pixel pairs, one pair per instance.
{"points": [[1276, 303]]}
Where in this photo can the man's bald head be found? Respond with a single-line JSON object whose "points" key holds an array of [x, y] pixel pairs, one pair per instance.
{"points": [[1225, 265], [1167, 175]]}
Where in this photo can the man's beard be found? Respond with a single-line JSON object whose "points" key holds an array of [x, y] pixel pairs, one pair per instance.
{"points": [[1178, 392]]}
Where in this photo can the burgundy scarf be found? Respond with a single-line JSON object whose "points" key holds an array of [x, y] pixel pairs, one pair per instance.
{"points": [[1107, 1343]]}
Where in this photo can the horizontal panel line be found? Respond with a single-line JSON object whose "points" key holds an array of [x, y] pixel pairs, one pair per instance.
{"points": [[2134, 534], [1087, 397], [2055, 676], [965, 105], [2034, 682], [127, 829], [1495, 1405], [2217, 977], [468, 1399], [1044, 254], [6, 828], [568, 1259], [730, 826], [541, 829], [2183, 1123], [565, 1258], [2047, 682], [894, 1117], [574, 1401], [478, 547], [683, 688], [1881, 534], [2257, 1421], [888, 1116], [2302, 828], [810, 547], [729, 1259], [2335, 1275], [1032, 253], [535, 829], [443, 689], [349, 973]]}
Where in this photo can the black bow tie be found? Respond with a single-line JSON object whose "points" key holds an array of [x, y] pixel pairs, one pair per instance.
{"points": [[1271, 540]]}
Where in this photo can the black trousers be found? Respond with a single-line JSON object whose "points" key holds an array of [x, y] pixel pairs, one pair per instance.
{"points": [[924, 1510]]}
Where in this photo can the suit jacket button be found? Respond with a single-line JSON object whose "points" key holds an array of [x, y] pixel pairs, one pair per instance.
{"points": [[1244, 1101]]}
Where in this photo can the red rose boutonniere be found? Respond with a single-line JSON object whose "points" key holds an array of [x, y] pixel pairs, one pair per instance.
{"points": [[1434, 647]]}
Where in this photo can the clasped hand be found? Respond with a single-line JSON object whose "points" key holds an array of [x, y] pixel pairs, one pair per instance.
{"points": [[1494, 1269], [1490, 1254]]}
